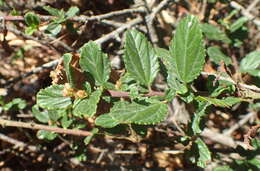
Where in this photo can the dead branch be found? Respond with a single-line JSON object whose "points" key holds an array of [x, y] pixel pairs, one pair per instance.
{"points": [[4, 122], [245, 12], [81, 18], [243, 121], [251, 133]]}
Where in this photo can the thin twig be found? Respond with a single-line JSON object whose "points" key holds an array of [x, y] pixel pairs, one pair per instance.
{"points": [[150, 18], [4, 122], [157, 9], [126, 152], [251, 133], [34, 71], [250, 87], [220, 138], [43, 42], [20, 33], [252, 5], [119, 30], [245, 12], [18, 144], [240, 123], [32, 148], [81, 18]]}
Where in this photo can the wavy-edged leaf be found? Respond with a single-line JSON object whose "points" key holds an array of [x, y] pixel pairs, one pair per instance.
{"points": [[66, 121], [106, 121], [216, 55], [238, 24], [197, 118], [162, 53], [250, 63], [15, 104], [31, 19], [67, 58], [54, 11], [187, 50], [43, 134], [126, 113], [72, 12], [176, 85], [55, 115], [87, 107], [204, 153], [225, 102], [140, 58], [52, 98], [87, 140], [53, 28], [94, 61], [223, 168], [214, 33], [41, 116]]}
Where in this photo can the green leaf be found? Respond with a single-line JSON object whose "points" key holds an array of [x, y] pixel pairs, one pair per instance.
{"points": [[204, 153], [67, 58], [238, 24], [225, 102], [15, 104], [176, 85], [31, 19], [41, 116], [52, 98], [72, 12], [197, 118], [255, 162], [140, 58], [87, 140], [106, 121], [53, 28], [223, 168], [30, 30], [217, 56], [55, 115], [87, 107], [162, 53], [94, 61], [42, 134], [66, 121], [126, 113], [54, 11], [214, 33], [250, 63], [187, 50]]}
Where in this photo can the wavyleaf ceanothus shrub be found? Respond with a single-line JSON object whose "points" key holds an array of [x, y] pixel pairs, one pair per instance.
{"points": [[85, 86]]}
